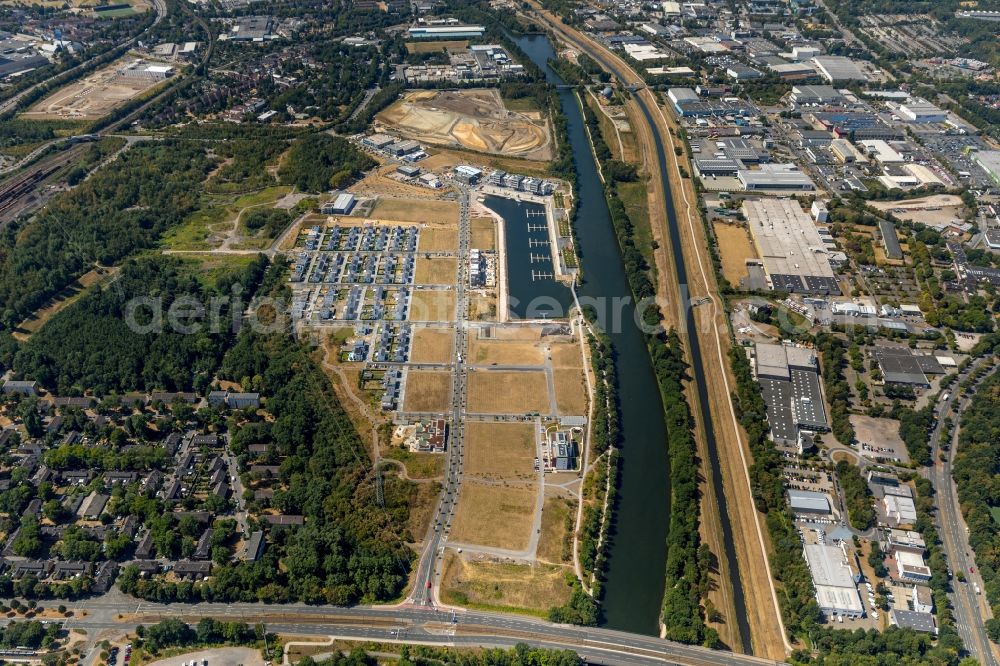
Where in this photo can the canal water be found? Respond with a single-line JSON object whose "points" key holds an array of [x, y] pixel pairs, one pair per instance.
{"points": [[633, 592], [533, 291]]}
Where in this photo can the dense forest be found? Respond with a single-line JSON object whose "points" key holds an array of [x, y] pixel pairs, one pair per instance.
{"points": [[107, 343], [349, 549], [322, 162], [976, 477], [110, 216]]}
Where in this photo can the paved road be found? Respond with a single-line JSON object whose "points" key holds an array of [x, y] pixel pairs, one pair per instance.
{"points": [[969, 611], [429, 570], [413, 625]]}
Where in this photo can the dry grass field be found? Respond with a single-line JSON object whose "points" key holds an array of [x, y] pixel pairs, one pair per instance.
{"points": [[486, 352], [436, 270], [494, 516], [554, 532], [92, 97], [496, 585], [432, 211], [517, 333], [565, 355], [571, 391], [484, 233], [734, 249], [432, 306], [508, 392], [427, 391], [432, 345], [472, 119], [438, 240], [500, 450], [67, 297], [434, 46]]}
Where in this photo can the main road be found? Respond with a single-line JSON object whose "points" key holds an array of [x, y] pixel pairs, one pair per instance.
{"points": [[970, 610], [409, 624], [430, 567], [754, 608]]}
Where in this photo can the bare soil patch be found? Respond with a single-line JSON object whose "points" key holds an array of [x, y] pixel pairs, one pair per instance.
{"points": [[472, 119]]}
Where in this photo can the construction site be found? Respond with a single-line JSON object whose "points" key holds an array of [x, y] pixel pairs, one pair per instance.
{"points": [[379, 285], [98, 94], [475, 120]]}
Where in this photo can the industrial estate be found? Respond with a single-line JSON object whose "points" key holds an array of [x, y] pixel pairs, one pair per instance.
{"points": [[554, 331]]}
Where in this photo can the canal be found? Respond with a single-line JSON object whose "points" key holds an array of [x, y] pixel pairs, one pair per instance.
{"points": [[633, 592]]}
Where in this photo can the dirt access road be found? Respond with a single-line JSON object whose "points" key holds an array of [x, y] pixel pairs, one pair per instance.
{"points": [[749, 535]]}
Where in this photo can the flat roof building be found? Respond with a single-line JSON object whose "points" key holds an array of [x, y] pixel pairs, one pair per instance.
{"points": [[834, 580], [446, 32], [989, 160], [789, 381], [838, 68], [899, 365], [775, 178], [790, 246], [890, 241], [918, 110], [899, 510], [816, 95], [807, 501], [907, 619], [341, 205]]}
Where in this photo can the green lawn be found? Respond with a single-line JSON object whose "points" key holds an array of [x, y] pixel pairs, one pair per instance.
{"points": [[215, 217], [634, 197]]}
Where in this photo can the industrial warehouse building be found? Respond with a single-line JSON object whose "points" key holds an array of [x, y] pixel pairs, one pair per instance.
{"points": [[838, 68], [790, 246], [890, 241], [899, 365], [775, 178], [809, 502], [789, 382], [834, 580], [918, 110], [446, 32], [341, 205]]}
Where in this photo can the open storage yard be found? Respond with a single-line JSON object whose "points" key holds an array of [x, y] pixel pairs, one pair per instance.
{"points": [[471, 119], [500, 450], [96, 95]]}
